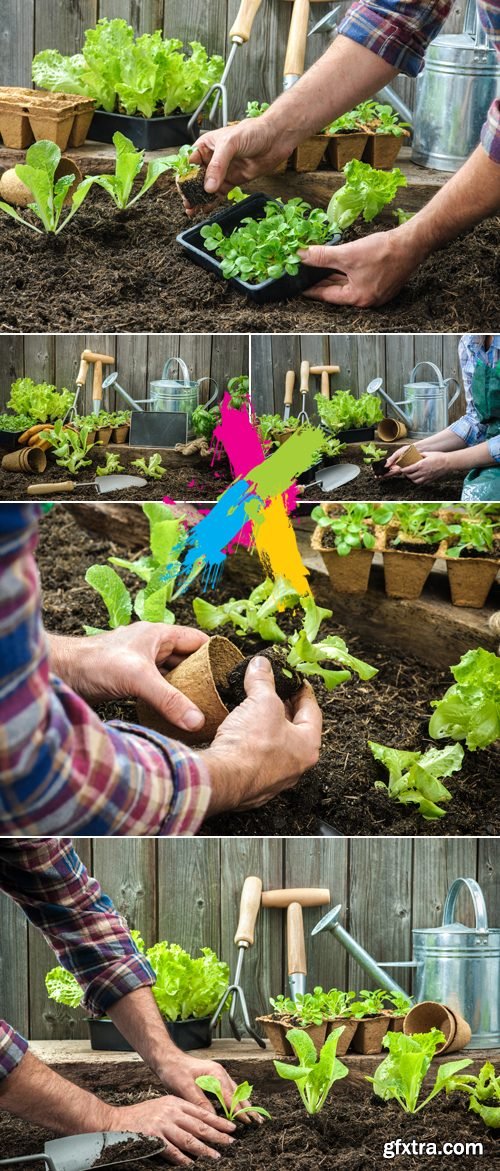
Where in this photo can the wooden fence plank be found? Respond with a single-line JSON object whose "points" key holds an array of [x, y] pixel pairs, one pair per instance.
{"points": [[488, 876], [16, 41], [195, 20], [11, 364], [188, 880], [380, 903], [14, 987], [320, 862], [60, 24], [132, 368], [39, 356], [145, 16], [261, 375], [129, 878], [436, 865]]}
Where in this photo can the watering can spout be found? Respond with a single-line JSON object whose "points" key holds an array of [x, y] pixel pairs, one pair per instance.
{"points": [[330, 922], [375, 387]]}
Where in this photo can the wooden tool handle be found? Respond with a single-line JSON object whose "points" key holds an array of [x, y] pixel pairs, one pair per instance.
{"points": [[106, 359], [320, 369], [242, 26], [81, 377], [97, 381], [289, 387], [295, 940], [49, 489], [304, 377], [297, 39], [307, 896], [325, 384], [249, 909]]}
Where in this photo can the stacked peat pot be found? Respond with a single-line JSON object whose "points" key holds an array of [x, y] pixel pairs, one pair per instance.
{"points": [[27, 115]]}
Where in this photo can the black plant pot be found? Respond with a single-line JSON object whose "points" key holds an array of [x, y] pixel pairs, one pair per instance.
{"points": [[356, 434], [190, 1034], [278, 289], [8, 440], [145, 133]]}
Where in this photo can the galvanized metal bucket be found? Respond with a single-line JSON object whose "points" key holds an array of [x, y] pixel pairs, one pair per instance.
{"points": [[179, 394], [427, 404], [459, 81]]}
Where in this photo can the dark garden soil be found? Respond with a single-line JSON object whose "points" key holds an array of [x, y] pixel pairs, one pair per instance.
{"points": [[392, 708], [124, 271], [368, 486], [350, 1133], [201, 481]]}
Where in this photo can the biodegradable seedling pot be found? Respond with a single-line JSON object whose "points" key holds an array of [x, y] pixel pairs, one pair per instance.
{"points": [[26, 459], [276, 1031], [471, 579], [119, 434], [369, 1034], [381, 150], [53, 124], [349, 1025], [405, 574], [82, 123], [348, 575], [430, 1014], [15, 128], [278, 289], [342, 148], [309, 154], [104, 435], [389, 430], [198, 677], [411, 455], [194, 1033], [145, 133], [396, 1024]]}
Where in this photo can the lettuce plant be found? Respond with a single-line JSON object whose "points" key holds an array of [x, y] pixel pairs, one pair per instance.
{"points": [[70, 448], [15, 423], [365, 192], [255, 109], [266, 249], [471, 535], [483, 1091], [344, 411], [415, 777], [353, 528], [420, 522], [470, 709], [272, 426], [128, 165], [400, 1076], [39, 402], [372, 453], [307, 1009], [371, 1003], [380, 119], [38, 174], [401, 1002], [152, 468], [111, 466], [211, 1085], [314, 1076]]}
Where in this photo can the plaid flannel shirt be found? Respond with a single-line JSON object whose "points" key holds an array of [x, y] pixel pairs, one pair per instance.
{"points": [[48, 881], [62, 770], [399, 32], [469, 427]]}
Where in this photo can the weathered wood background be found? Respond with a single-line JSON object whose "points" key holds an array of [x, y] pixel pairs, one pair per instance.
{"points": [[55, 358], [27, 26], [361, 357], [188, 891]]}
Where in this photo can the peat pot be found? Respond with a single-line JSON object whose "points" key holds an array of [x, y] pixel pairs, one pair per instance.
{"points": [[194, 1033]]}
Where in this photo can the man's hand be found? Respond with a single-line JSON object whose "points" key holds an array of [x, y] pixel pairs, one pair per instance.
{"points": [[186, 1130], [262, 747], [236, 154], [367, 272], [180, 1078], [124, 662]]}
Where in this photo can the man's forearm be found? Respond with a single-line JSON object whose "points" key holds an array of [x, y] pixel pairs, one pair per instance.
{"points": [[138, 1019], [345, 75], [36, 1093], [466, 199]]}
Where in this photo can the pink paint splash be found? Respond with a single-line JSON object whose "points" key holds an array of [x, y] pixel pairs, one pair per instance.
{"points": [[238, 435]]}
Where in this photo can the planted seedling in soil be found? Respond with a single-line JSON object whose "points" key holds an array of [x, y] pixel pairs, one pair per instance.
{"points": [[470, 709], [483, 1091], [70, 448], [242, 1093], [415, 777], [128, 165], [401, 1074], [152, 467], [314, 1076], [49, 194], [473, 537], [365, 193], [111, 466], [190, 178]]}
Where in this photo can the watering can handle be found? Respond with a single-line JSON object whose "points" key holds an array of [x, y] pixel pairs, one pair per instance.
{"points": [[457, 392], [215, 396], [182, 367], [477, 898], [427, 363]]}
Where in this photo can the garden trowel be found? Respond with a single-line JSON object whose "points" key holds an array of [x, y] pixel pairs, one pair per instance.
{"points": [[328, 479], [80, 1152], [102, 485]]}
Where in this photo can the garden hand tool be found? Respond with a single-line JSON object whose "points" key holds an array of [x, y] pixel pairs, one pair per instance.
{"points": [[79, 1152], [303, 417], [81, 379], [325, 372], [102, 485], [294, 899], [328, 24], [296, 47], [99, 361], [334, 477], [217, 94], [244, 937], [289, 388]]}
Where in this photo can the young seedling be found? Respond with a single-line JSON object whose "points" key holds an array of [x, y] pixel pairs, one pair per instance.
{"points": [[420, 523], [128, 166], [483, 1091], [470, 709], [314, 1076], [371, 1003], [71, 448], [401, 1003], [255, 109], [153, 468], [307, 1009], [242, 1093], [111, 466], [372, 453], [189, 177], [354, 527], [401, 1075], [204, 421], [49, 194], [415, 777], [471, 535], [15, 423], [270, 427], [268, 248], [365, 192]]}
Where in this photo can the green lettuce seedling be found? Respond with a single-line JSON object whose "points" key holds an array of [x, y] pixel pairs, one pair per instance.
{"points": [[268, 248], [211, 1085], [483, 1091], [152, 468], [307, 1009], [401, 1002], [400, 1076], [111, 466], [255, 109], [38, 174], [70, 448], [272, 426], [353, 528], [420, 522], [314, 1076], [365, 192], [415, 777], [372, 453], [15, 422], [473, 535], [470, 709], [128, 165]]}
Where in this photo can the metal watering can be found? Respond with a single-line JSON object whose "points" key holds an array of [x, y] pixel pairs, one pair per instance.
{"points": [[454, 965], [460, 79], [174, 394], [427, 403]]}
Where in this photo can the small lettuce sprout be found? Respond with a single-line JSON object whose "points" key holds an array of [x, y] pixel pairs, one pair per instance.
{"points": [[38, 174], [415, 777], [400, 1076], [314, 1076], [211, 1085], [111, 466], [152, 468], [128, 165], [483, 1091]]}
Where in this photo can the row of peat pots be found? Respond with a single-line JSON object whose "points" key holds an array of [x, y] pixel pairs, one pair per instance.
{"points": [[335, 150], [408, 559]]}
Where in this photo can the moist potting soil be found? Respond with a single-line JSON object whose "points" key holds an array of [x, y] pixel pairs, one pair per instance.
{"points": [[393, 708], [199, 481], [129, 275], [287, 681], [350, 1133], [141, 1149]]}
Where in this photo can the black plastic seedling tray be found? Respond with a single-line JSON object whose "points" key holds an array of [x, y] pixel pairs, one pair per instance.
{"points": [[190, 1034], [356, 435], [8, 440], [145, 133], [279, 289]]}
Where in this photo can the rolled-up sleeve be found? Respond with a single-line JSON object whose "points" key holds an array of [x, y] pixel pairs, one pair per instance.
{"points": [[62, 770], [12, 1049], [490, 134], [396, 30]]}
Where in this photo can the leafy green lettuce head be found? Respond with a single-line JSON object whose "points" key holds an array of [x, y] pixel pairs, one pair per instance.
{"points": [[470, 709], [365, 192]]}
